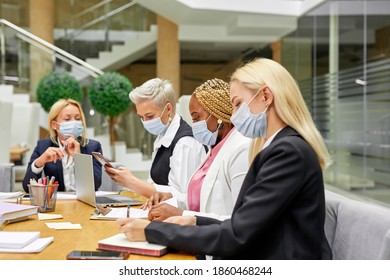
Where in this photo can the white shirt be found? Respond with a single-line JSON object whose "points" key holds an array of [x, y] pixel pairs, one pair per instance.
{"points": [[67, 170], [186, 157], [268, 142]]}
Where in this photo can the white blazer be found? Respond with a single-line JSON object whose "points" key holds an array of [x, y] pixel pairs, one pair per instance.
{"points": [[224, 178]]}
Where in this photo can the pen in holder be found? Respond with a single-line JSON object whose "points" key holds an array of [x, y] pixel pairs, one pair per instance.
{"points": [[43, 196]]}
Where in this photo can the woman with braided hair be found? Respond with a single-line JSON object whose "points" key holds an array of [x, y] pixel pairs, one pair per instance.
{"points": [[214, 187]]}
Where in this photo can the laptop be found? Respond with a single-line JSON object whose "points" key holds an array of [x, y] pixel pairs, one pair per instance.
{"points": [[85, 185]]}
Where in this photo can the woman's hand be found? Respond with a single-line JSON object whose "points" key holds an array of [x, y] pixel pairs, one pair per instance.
{"points": [[71, 146], [182, 220], [122, 176], [51, 154], [134, 229], [162, 211], [155, 199]]}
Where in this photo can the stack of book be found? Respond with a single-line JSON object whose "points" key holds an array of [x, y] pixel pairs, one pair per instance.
{"points": [[12, 212], [22, 242]]}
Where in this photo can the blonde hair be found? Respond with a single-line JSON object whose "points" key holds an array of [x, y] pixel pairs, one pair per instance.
{"points": [[213, 96], [289, 103], [56, 109], [158, 90]]}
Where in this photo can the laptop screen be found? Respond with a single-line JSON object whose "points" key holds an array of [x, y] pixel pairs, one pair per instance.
{"points": [[85, 184]]}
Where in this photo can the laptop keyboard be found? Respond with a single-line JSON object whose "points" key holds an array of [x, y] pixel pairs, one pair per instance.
{"points": [[105, 199], [118, 200]]}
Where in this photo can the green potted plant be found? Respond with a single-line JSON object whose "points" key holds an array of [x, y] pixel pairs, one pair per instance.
{"points": [[55, 86], [109, 95]]}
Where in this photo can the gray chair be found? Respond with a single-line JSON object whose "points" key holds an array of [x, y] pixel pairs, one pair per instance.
{"points": [[7, 177], [6, 109], [356, 230], [7, 173]]}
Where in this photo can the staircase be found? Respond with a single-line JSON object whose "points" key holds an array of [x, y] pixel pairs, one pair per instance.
{"points": [[121, 55], [114, 34]]}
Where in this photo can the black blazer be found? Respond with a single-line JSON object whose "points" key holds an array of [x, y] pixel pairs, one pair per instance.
{"points": [[279, 213], [55, 169]]}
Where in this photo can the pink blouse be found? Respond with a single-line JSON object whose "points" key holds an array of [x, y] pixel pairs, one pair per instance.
{"points": [[195, 184]]}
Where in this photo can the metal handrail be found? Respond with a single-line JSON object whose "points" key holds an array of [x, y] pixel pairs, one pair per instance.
{"points": [[91, 70], [57, 55], [78, 31]]}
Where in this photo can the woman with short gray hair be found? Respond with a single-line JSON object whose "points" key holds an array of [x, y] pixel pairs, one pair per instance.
{"points": [[176, 153]]}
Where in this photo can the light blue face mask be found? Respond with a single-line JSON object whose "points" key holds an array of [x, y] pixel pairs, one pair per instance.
{"points": [[155, 126], [203, 134], [74, 128], [250, 125]]}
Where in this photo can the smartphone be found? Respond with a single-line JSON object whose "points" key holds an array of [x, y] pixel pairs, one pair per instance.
{"points": [[103, 161], [96, 255]]}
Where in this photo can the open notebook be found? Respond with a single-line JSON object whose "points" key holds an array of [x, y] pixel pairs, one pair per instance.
{"points": [[85, 185]]}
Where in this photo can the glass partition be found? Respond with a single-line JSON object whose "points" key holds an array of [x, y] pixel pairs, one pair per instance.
{"points": [[348, 89]]}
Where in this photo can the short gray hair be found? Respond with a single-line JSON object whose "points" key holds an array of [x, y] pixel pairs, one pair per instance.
{"points": [[161, 91]]}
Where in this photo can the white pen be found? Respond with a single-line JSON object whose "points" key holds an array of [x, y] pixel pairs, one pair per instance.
{"points": [[66, 138], [64, 146]]}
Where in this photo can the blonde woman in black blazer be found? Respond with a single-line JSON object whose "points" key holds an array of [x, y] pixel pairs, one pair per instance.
{"points": [[280, 211]]}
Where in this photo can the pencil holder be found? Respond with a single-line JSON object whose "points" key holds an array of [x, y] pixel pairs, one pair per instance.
{"points": [[44, 197]]}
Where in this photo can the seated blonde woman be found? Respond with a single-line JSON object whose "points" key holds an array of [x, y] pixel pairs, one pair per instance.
{"points": [[54, 156]]}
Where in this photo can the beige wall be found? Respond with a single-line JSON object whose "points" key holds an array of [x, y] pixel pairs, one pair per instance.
{"points": [[168, 52], [42, 25]]}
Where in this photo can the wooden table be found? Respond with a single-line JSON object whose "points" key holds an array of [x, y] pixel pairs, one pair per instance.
{"points": [[65, 241], [17, 152]]}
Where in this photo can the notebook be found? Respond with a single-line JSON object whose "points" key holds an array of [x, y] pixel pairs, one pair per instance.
{"points": [[17, 239], [85, 185], [34, 247], [120, 243], [10, 211]]}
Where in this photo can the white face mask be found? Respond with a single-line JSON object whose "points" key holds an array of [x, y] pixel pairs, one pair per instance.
{"points": [[74, 128], [203, 134], [155, 126], [250, 125]]}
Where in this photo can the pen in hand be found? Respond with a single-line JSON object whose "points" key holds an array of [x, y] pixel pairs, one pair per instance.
{"points": [[128, 211]]}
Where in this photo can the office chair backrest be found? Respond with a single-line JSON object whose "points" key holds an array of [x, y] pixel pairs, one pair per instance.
{"points": [[6, 109], [356, 230]]}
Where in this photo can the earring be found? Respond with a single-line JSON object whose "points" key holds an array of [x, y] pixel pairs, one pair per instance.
{"points": [[169, 118], [220, 124]]}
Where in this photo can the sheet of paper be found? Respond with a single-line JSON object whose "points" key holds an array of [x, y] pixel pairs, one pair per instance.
{"points": [[7, 195], [63, 225], [172, 201], [122, 213], [61, 196], [43, 216], [65, 196], [104, 193]]}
